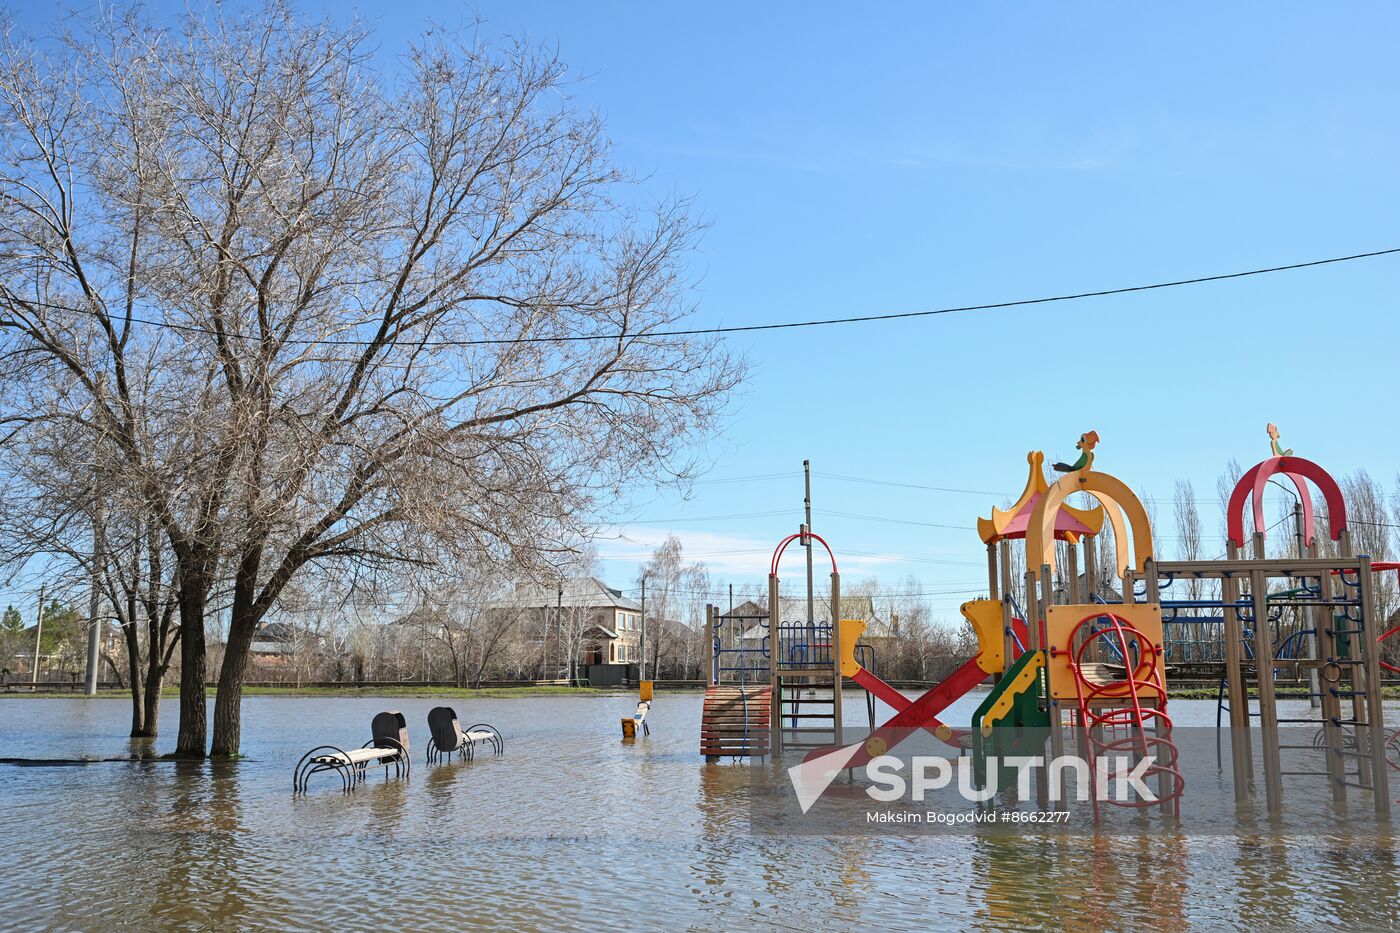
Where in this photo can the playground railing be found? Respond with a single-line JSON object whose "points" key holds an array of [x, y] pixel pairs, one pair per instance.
{"points": [[804, 645]]}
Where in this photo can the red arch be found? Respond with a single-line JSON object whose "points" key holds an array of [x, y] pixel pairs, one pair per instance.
{"points": [[782, 546], [1299, 470]]}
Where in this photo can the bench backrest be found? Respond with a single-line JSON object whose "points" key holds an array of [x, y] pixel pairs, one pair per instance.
{"points": [[389, 725], [444, 726]]}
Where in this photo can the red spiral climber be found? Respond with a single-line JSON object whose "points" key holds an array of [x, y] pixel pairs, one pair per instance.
{"points": [[1122, 728]]}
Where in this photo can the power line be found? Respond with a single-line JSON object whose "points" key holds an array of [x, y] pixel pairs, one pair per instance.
{"points": [[899, 558], [885, 482], [787, 325], [893, 521], [769, 514], [747, 479], [703, 518]]}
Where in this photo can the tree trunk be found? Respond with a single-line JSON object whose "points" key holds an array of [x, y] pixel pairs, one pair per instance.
{"points": [[228, 704], [133, 662], [244, 617], [150, 725], [194, 717]]}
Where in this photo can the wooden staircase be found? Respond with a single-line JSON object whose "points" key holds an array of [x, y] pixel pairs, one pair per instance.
{"points": [[736, 721]]}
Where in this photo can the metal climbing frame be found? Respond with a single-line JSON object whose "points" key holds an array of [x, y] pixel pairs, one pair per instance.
{"points": [[802, 656], [739, 656], [1338, 594], [738, 647]]}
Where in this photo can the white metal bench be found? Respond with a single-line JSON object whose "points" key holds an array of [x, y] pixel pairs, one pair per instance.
{"points": [[388, 747]]}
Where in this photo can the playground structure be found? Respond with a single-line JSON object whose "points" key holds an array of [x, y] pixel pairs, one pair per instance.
{"points": [[792, 662], [1337, 638], [631, 723], [1038, 667], [806, 665], [1089, 673]]}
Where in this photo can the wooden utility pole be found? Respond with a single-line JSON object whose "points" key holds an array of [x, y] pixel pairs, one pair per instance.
{"points": [[558, 629], [642, 639], [38, 639], [807, 540], [94, 642]]}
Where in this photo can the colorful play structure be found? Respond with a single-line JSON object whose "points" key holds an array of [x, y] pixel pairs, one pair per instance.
{"points": [[1089, 670]]}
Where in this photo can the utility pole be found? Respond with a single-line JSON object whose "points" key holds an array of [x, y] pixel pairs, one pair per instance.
{"points": [[731, 599], [807, 540], [642, 670], [38, 639], [1298, 528], [94, 623], [558, 627], [1314, 681], [94, 633]]}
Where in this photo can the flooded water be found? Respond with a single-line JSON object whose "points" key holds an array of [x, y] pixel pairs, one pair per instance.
{"points": [[573, 828]]}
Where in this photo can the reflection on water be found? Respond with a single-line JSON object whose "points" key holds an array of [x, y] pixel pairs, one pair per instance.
{"points": [[574, 828]]}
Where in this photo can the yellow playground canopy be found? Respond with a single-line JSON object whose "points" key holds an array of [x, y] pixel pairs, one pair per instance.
{"points": [[1071, 524]]}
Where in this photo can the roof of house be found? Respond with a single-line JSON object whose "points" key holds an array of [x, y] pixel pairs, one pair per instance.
{"points": [[577, 593], [269, 632], [601, 630], [110, 629], [1105, 589], [748, 609]]}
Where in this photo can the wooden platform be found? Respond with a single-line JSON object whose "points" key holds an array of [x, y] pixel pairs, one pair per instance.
{"points": [[736, 722]]}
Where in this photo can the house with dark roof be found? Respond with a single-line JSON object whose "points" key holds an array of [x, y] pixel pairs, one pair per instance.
{"points": [[608, 625]]}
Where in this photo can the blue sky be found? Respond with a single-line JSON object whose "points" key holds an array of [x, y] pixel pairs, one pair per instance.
{"points": [[909, 157], [914, 157]]}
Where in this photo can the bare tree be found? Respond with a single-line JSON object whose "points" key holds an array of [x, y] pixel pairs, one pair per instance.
{"points": [[1224, 486], [670, 582], [333, 320], [1368, 520], [1188, 530]]}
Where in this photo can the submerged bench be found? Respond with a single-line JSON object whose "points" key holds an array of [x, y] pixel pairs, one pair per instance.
{"points": [[388, 747], [449, 738]]}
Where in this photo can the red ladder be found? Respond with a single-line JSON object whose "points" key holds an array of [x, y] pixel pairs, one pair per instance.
{"points": [[1120, 728]]}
